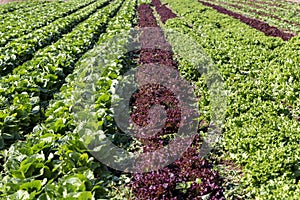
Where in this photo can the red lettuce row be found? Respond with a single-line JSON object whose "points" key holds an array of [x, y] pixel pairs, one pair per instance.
{"points": [[261, 74], [281, 19], [257, 24], [264, 13], [164, 12], [189, 177]]}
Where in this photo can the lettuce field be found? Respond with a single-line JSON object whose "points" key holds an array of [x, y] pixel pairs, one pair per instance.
{"points": [[150, 99]]}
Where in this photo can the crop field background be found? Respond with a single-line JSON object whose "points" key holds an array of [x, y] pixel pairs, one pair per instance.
{"points": [[150, 99], [9, 1]]}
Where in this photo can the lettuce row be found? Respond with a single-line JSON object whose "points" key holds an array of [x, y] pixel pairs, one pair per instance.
{"points": [[22, 23], [288, 20], [13, 14], [261, 74], [52, 162], [13, 6], [285, 10], [27, 91], [282, 4], [22, 49]]}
